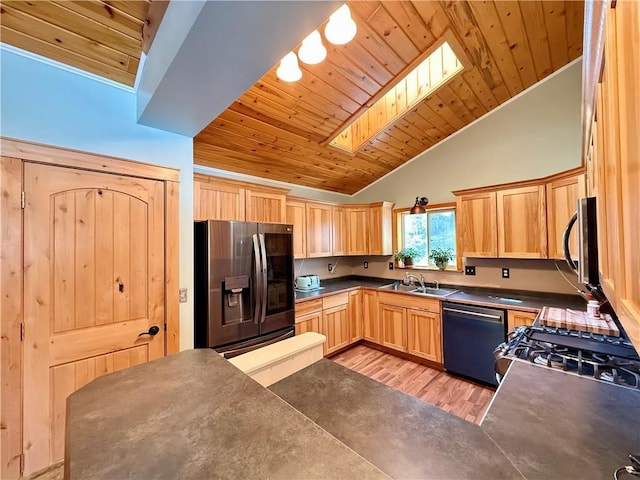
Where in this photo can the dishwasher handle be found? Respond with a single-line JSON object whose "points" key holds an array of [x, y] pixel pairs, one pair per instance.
{"points": [[494, 318]]}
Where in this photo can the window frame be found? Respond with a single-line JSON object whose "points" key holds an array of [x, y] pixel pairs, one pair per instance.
{"points": [[397, 235]]}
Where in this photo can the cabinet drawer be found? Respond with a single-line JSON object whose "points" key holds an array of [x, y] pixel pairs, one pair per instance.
{"points": [[410, 301], [335, 300], [309, 306]]}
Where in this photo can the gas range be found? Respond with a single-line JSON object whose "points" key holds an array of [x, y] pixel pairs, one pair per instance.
{"points": [[603, 357]]}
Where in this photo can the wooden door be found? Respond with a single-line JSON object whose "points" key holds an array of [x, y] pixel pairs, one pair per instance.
{"points": [[357, 230], [381, 229], [517, 318], [318, 230], [424, 337], [371, 326], [266, 206], [93, 281], [477, 225], [355, 316], [338, 231], [394, 327], [522, 222], [335, 326], [217, 200], [561, 204], [297, 216]]}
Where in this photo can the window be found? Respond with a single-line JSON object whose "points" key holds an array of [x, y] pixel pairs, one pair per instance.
{"points": [[426, 231]]}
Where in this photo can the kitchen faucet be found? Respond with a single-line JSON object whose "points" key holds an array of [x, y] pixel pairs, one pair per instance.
{"points": [[410, 277], [437, 284]]}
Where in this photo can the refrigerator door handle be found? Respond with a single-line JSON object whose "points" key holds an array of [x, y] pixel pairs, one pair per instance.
{"points": [[264, 278], [257, 279]]}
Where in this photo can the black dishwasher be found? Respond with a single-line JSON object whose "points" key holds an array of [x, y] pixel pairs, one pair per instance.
{"points": [[470, 334]]}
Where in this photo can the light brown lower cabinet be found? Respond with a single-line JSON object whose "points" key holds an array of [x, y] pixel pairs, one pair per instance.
{"points": [[312, 322], [517, 318], [424, 334], [394, 326], [355, 316], [371, 328], [335, 323]]}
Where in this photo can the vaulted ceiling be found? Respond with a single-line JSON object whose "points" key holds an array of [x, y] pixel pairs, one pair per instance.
{"points": [[281, 131]]}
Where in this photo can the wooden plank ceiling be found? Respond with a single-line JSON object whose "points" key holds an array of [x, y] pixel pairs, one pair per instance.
{"points": [[101, 37], [280, 130]]}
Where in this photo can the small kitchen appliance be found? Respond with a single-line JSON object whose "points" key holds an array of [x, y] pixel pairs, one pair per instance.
{"points": [[308, 283]]}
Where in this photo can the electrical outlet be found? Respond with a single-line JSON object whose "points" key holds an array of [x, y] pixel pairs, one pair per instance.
{"points": [[366, 264], [505, 273], [330, 267], [182, 295], [470, 270], [390, 265]]}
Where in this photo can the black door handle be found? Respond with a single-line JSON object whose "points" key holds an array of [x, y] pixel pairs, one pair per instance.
{"points": [[152, 331]]}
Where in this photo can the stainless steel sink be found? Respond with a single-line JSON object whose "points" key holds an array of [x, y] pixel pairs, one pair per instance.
{"points": [[399, 287], [429, 291], [436, 292]]}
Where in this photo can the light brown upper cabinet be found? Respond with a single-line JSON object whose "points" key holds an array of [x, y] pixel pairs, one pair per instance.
{"points": [[614, 169], [357, 230], [522, 222], [217, 198], [339, 230], [380, 229], [476, 222], [319, 228], [264, 205], [562, 195], [297, 216]]}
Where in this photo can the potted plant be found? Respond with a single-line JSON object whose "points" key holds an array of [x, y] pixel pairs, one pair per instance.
{"points": [[406, 256], [441, 257]]}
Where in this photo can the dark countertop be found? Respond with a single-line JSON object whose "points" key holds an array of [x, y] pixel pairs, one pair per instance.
{"points": [[403, 436], [516, 299], [193, 415], [554, 425], [542, 424]]}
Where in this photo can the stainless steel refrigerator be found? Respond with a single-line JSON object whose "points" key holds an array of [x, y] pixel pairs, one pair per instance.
{"points": [[244, 292]]}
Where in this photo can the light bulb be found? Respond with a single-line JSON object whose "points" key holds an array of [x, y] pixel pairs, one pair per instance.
{"points": [[288, 70], [341, 28], [312, 51]]}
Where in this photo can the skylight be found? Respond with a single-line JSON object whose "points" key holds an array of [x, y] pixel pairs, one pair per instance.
{"points": [[433, 72]]}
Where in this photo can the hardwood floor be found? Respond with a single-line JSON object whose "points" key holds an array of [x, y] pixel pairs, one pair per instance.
{"points": [[464, 399]]}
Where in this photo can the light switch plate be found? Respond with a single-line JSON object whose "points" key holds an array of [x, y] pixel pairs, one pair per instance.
{"points": [[366, 264], [390, 265], [182, 295]]}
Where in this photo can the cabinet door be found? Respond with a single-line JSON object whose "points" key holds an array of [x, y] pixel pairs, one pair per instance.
{"points": [[355, 316], [311, 322], [522, 222], [338, 231], [218, 201], [296, 216], [371, 325], [476, 222], [380, 229], [424, 334], [516, 318], [266, 206], [357, 230], [394, 326], [318, 230], [335, 325], [561, 204]]}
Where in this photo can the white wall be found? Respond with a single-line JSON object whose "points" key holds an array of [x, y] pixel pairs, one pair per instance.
{"points": [[534, 135], [46, 104]]}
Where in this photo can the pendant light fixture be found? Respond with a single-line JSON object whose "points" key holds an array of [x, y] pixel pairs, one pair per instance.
{"points": [[341, 28], [288, 70], [312, 51], [421, 202]]}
